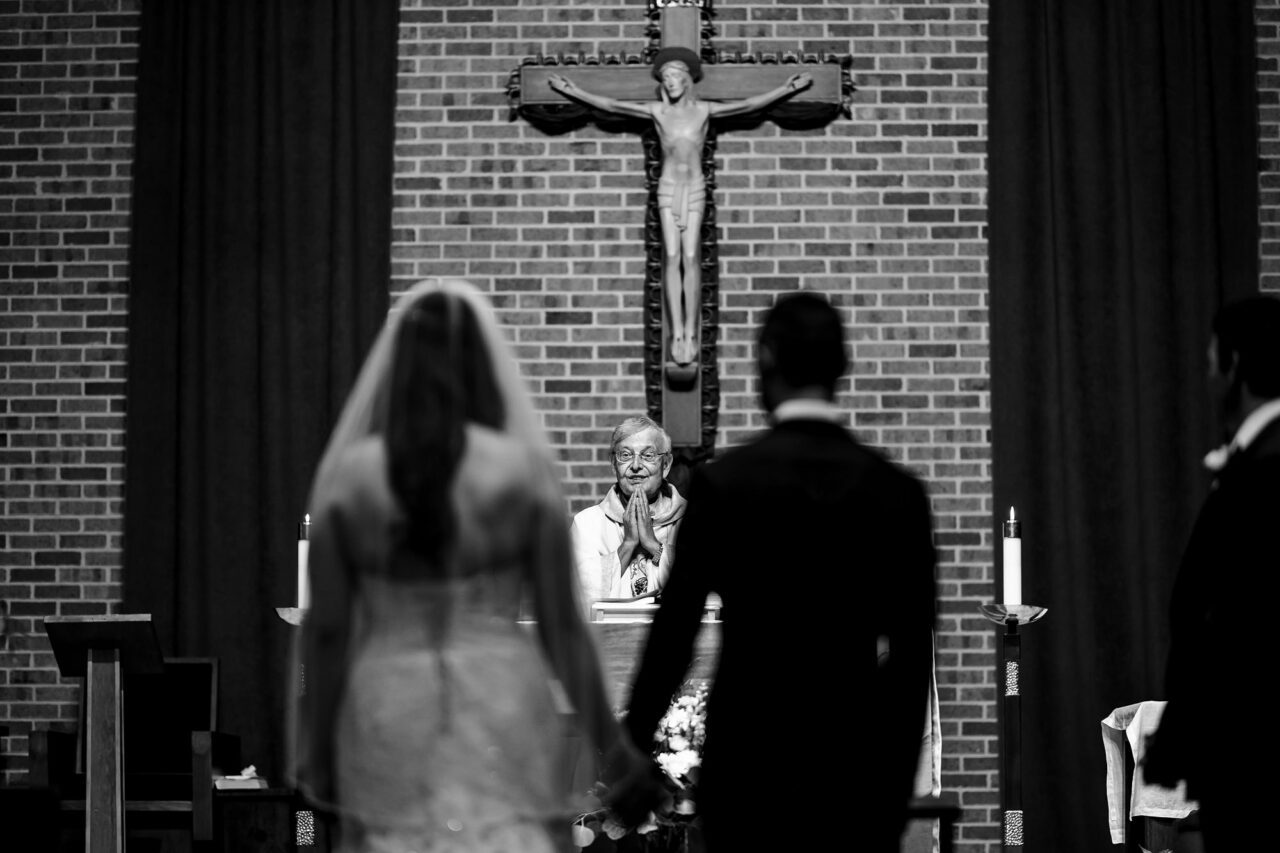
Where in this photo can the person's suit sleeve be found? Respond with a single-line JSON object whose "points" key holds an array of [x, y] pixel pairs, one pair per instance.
{"points": [[1173, 751], [670, 645], [907, 561]]}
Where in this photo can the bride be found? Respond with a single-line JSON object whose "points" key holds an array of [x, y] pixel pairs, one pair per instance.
{"points": [[427, 720]]}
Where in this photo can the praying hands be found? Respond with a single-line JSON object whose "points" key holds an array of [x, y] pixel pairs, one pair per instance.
{"points": [[637, 531]]}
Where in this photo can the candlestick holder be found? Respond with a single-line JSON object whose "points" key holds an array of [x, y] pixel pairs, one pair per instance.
{"points": [[1010, 665], [292, 615], [305, 831], [1020, 614]]}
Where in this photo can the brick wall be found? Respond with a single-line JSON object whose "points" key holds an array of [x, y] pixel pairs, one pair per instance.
{"points": [[885, 211], [1268, 18], [67, 70]]}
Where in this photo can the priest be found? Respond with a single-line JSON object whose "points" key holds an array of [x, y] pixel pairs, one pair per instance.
{"points": [[623, 545]]}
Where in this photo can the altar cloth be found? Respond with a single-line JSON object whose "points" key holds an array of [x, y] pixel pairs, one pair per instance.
{"points": [[1132, 723]]}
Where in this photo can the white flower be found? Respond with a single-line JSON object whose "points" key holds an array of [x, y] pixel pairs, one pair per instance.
{"points": [[678, 764], [678, 743]]}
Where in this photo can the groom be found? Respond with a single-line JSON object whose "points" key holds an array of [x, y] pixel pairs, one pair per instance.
{"points": [[1228, 581], [775, 527]]}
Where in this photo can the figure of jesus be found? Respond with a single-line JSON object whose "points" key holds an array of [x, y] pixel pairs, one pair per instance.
{"points": [[682, 120]]}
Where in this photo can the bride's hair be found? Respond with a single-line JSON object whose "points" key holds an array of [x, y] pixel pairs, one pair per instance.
{"points": [[442, 378]]}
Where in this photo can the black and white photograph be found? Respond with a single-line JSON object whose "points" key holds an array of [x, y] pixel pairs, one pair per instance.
{"points": [[638, 426]]}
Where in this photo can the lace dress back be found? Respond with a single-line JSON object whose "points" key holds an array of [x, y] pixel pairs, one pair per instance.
{"points": [[447, 735]]}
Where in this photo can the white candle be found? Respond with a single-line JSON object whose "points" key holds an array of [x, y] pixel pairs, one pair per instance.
{"points": [[304, 546], [1012, 560]]}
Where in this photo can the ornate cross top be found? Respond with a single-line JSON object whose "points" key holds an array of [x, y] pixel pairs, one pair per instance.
{"points": [[676, 93]]}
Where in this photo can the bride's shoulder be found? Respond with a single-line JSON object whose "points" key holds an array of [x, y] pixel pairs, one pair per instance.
{"points": [[494, 461], [358, 470], [364, 457]]}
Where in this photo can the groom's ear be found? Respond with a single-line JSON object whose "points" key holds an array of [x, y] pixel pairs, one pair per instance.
{"points": [[1230, 369], [766, 358]]}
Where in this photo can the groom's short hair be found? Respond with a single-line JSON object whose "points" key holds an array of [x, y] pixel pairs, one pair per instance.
{"points": [[1248, 338], [804, 337]]}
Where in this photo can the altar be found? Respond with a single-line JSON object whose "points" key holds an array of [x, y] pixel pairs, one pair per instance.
{"points": [[621, 628]]}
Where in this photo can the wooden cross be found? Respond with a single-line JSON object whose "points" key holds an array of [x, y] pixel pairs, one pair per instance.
{"points": [[682, 387]]}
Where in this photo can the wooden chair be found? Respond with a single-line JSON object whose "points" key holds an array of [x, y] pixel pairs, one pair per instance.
{"points": [[172, 749], [27, 813]]}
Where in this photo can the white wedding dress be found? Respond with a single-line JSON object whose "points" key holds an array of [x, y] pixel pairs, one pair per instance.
{"points": [[447, 737], [428, 721]]}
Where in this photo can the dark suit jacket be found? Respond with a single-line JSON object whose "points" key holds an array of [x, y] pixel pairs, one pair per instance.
{"points": [[1215, 729], [817, 546]]}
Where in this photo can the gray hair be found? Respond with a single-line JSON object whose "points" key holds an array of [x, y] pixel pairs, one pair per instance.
{"points": [[639, 423]]}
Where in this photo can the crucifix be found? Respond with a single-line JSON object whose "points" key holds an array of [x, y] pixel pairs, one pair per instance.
{"points": [[677, 97]]}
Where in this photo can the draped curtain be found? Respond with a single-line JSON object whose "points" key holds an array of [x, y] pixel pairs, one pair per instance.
{"points": [[259, 275], [1123, 205]]}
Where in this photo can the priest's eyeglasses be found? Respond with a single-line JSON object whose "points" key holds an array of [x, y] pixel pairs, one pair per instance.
{"points": [[648, 457]]}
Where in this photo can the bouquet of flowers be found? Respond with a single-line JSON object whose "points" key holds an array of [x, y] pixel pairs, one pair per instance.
{"points": [[681, 733], [678, 751]]}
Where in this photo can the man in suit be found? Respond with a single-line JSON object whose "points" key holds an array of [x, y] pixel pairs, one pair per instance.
{"points": [[1215, 732], [822, 553]]}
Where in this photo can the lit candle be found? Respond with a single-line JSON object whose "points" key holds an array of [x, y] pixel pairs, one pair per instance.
{"points": [[304, 546], [1012, 560]]}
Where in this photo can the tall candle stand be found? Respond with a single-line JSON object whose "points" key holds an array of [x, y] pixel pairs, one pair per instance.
{"points": [[305, 828], [1011, 616]]}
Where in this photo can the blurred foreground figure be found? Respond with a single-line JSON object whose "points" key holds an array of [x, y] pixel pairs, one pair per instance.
{"points": [[428, 721], [1220, 655], [822, 552]]}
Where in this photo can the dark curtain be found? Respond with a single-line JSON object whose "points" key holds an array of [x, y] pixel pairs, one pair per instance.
{"points": [[1123, 206], [260, 268]]}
